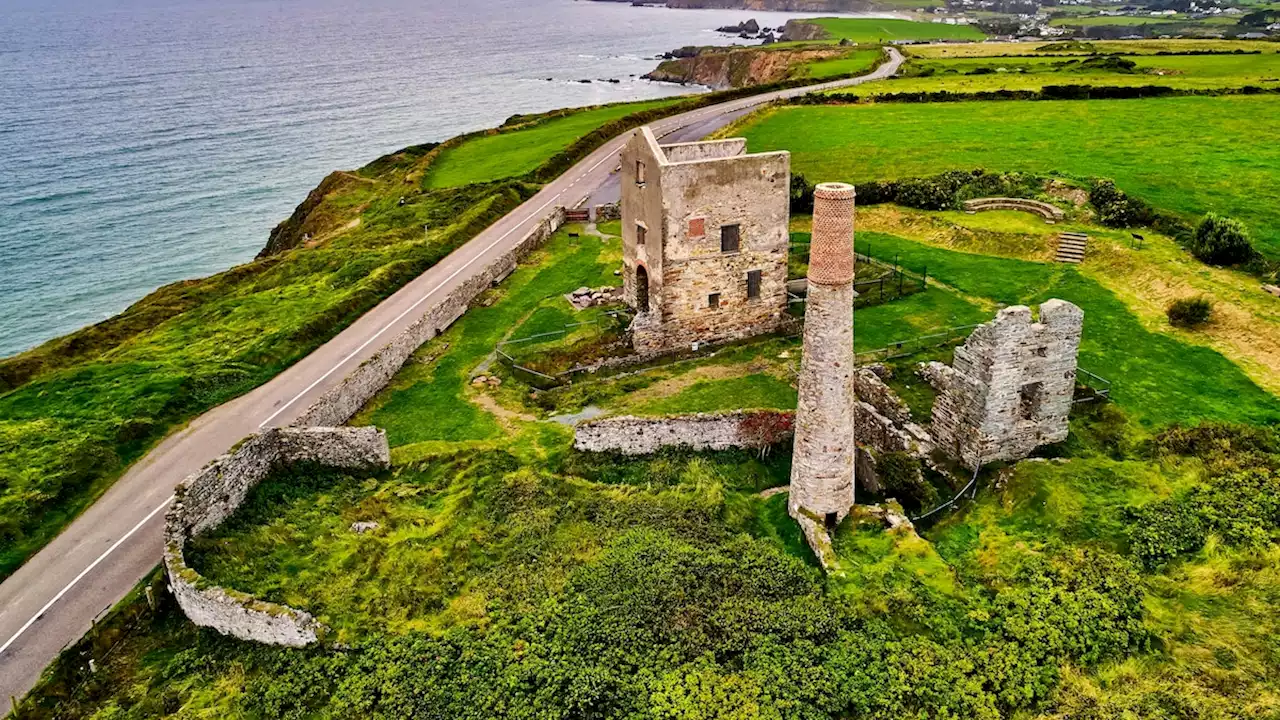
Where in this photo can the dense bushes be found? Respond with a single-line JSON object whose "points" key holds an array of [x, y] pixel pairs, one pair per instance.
{"points": [[901, 477], [1189, 312], [1241, 504], [1222, 241], [1048, 92], [950, 189], [1115, 208], [1242, 508]]}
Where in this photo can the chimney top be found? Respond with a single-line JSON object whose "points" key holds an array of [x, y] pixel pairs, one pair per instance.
{"points": [[831, 249]]}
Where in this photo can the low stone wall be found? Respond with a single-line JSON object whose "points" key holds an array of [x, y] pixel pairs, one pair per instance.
{"points": [[1036, 207], [341, 402], [607, 212], [208, 497], [629, 435]]}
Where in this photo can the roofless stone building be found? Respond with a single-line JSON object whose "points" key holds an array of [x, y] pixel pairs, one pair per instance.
{"points": [[822, 467], [705, 240]]}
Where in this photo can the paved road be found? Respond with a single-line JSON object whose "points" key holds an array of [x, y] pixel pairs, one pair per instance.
{"points": [[54, 598]]}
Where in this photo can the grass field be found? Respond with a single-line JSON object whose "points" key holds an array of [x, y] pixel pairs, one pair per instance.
{"points": [[967, 75], [1139, 47], [515, 153], [856, 63], [1189, 155], [876, 31]]}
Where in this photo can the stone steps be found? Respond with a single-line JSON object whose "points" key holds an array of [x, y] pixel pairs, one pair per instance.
{"points": [[1071, 247]]}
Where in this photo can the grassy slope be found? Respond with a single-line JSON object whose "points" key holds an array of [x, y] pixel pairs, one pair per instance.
{"points": [[1189, 155], [855, 63], [500, 155], [865, 30], [86, 406], [529, 576]]}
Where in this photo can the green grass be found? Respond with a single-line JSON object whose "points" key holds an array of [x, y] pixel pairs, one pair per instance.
{"points": [[509, 154], [1159, 380], [426, 400], [868, 30], [957, 75], [1189, 155], [856, 63], [756, 392]]}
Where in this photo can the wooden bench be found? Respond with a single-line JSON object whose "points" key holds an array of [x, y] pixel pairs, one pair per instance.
{"points": [[1049, 212]]}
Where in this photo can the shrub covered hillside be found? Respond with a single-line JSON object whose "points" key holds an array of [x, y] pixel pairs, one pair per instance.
{"points": [[76, 411], [529, 583]]}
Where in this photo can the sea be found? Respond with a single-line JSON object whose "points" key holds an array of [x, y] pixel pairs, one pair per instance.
{"points": [[148, 141]]}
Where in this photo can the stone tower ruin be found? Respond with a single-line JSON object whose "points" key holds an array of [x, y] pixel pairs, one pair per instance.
{"points": [[705, 240], [1011, 386], [822, 490]]}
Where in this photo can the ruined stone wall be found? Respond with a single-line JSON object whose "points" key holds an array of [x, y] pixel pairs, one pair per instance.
{"points": [[608, 211], [341, 402], [707, 150], [629, 435], [700, 198], [208, 497], [641, 204], [1010, 388]]}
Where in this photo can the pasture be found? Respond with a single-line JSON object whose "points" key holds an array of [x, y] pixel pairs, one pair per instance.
{"points": [[1189, 155], [882, 30], [508, 154]]}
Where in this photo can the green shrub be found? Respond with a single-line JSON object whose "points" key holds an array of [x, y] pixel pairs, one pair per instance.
{"points": [[801, 195], [1222, 241], [1189, 312], [1116, 209]]}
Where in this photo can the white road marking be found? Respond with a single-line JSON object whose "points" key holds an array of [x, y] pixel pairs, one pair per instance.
{"points": [[84, 572]]}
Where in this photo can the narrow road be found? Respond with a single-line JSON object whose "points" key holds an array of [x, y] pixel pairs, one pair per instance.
{"points": [[55, 597]]}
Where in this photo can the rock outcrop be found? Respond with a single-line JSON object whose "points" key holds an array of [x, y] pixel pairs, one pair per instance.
{"points": [[721, 68]]}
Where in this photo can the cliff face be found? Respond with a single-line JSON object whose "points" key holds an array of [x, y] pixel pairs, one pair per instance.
{"points": [[721, 69], [801, 30]]}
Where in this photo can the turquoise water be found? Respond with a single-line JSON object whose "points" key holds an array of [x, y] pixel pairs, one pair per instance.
{"points": [[148, 141]]}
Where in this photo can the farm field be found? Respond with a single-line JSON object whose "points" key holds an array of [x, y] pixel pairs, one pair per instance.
{"points": [[856, 63], [884, 30], [967, 75], [1188, 155], [1089, 47], [508, 154]]}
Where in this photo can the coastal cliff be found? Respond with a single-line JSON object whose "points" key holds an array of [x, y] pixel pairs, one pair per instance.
{"points": [[742, 67]]}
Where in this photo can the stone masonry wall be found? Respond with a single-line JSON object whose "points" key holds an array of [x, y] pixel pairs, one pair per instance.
{"points": [[341, 402], [822, 465], [208, 497], [1010, 387], [683, 198], [643, 436]]}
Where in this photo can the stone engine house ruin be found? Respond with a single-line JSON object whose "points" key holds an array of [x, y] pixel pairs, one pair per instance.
{"points": [[705, 240], [1010, 388]]}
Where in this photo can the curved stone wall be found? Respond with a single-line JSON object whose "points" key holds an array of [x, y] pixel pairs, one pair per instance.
{"points": [[207, 498]]}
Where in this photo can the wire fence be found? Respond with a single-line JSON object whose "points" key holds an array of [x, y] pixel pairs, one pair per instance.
{"points": [[971, 490], [913, 345], [613, 320]]}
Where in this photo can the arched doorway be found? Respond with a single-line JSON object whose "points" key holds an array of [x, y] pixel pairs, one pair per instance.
{"points": [[642, 289]]}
